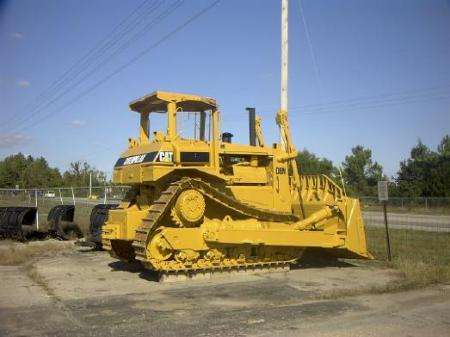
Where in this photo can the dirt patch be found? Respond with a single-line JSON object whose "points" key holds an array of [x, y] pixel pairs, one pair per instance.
{"points": [[80, 274]]}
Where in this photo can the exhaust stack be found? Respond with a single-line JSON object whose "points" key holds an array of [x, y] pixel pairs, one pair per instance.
{"points": [[252, 126]]}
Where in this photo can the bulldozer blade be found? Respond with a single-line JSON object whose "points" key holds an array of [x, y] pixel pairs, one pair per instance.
{"points": [[355, 242]]}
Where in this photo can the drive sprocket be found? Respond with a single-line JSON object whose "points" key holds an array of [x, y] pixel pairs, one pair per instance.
{"points": [[189, 208]]}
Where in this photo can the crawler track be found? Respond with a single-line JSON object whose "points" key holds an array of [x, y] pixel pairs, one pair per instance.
{"points": [[163, 204]]}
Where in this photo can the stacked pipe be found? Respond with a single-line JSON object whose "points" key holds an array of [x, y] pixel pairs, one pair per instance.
{"points": [[99, 215], [17, 222]]}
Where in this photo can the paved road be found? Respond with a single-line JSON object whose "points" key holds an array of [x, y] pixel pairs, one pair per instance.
{"points": [[427, 222], [89, 294]]}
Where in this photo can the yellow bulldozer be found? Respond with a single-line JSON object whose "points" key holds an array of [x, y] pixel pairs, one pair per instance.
{"points": [[202, 202]]}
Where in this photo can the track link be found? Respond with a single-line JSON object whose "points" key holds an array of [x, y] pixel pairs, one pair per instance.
{"points": [[191, 273]]}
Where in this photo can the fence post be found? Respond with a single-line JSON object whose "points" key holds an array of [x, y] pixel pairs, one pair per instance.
{"points": [[426, 203], [60, 197], [73, 196], [37, 210], [104, 197], [90, 185]]}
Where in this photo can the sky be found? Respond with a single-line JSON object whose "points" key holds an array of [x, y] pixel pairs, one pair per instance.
{"points": [[374, 73]]}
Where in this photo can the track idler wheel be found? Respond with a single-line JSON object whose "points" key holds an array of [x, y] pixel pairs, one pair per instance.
{"points": [[159, 249]]}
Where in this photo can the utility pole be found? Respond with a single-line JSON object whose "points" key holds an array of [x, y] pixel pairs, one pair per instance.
{"points": [[284, 69], [282, 115], [284, 55], [105, 191]]}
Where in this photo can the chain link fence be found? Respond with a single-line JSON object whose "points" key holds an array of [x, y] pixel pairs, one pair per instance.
{"points": [[84, 199], [415, 205], [427, 214]]}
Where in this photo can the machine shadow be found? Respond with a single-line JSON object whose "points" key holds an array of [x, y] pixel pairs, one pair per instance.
{"points": [[135, 267], [149, 275], [321, 262]]}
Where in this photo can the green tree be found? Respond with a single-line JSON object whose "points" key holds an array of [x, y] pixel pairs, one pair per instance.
{"points": [[78, 175], [309, 163], [444, 146], [360, 172], [39, 174], [11, 169], [426, 173], [27, 172]]}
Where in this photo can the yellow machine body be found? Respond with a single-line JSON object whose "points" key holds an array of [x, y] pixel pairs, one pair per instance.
{"points": [[202, 202]]}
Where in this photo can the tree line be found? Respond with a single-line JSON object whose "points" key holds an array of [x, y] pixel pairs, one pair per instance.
{"points": [[23, 171], [426, 173]]}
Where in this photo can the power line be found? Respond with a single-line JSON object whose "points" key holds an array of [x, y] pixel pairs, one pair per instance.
{"points": [[375, 97], [379, 105], [130, 62], [103, 48], [102, 63], [97, 56], [311, 49], [80, 62], [396, 97], [374, 101]]}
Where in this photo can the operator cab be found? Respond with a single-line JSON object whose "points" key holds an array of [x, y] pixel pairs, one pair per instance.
{"points": [[188, 117]]}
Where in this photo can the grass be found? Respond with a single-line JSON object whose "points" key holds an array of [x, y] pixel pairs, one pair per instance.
{"points": [[422, 257], [14, 253], [34, 275]]}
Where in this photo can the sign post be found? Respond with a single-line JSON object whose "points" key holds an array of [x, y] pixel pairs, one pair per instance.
{"points": [[384, 197]]}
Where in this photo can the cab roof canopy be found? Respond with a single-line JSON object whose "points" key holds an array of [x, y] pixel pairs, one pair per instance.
{"points": [[157, 102]]}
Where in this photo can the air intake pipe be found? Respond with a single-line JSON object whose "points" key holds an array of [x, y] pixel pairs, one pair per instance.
{"points": [[226, 137]]}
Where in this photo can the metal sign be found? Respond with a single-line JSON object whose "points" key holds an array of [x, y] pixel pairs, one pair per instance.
{"points": [[383, 190]]}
